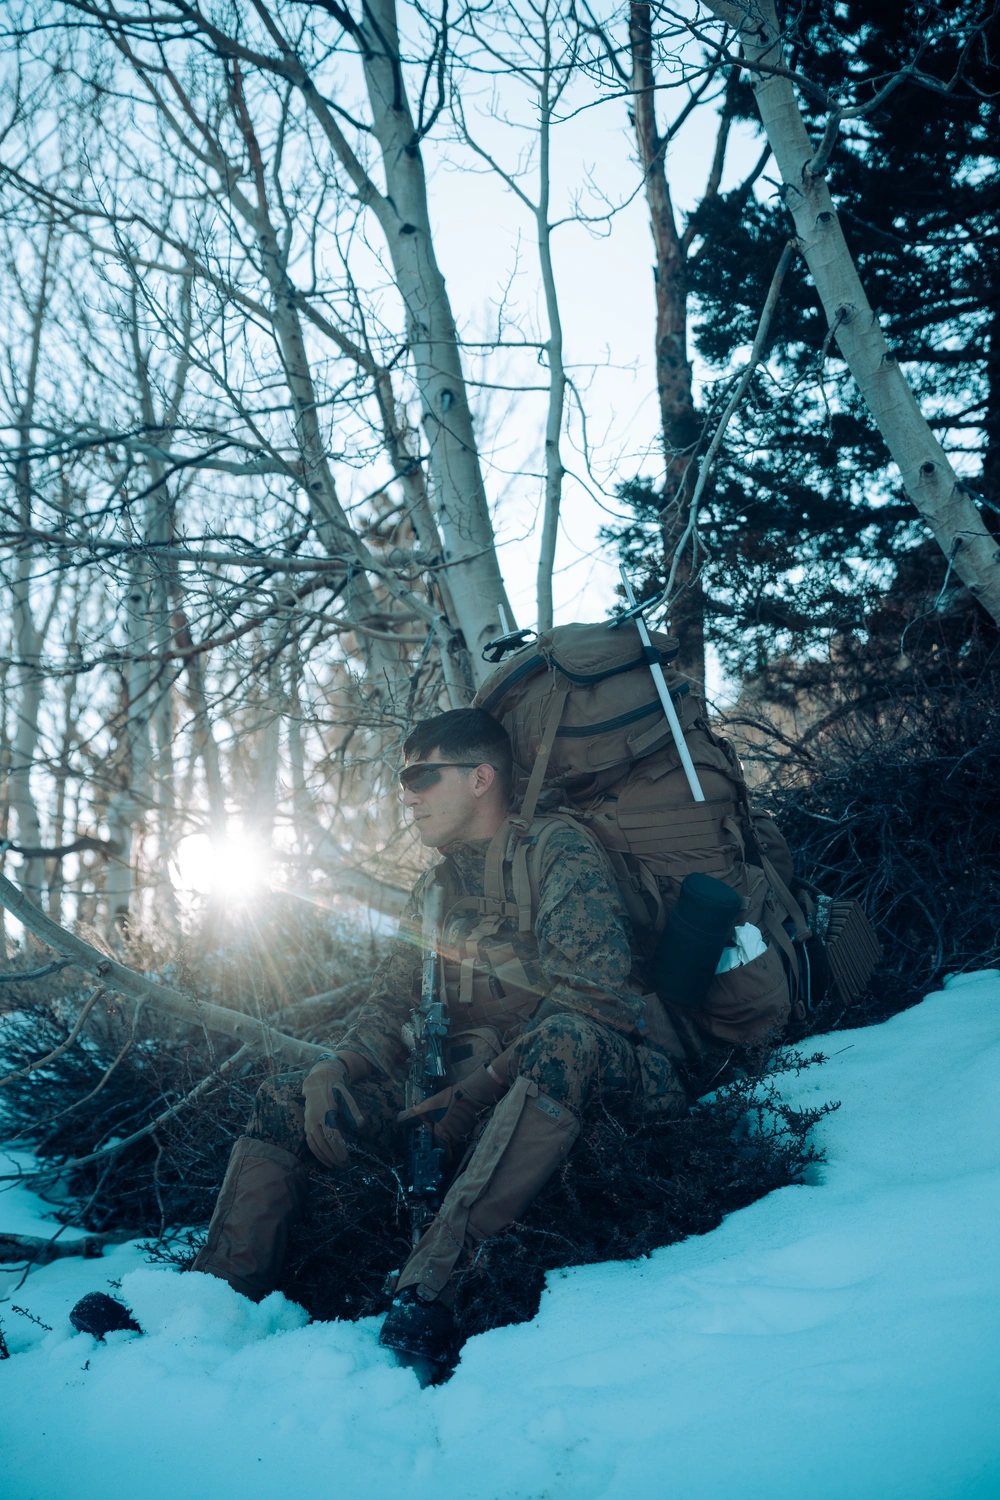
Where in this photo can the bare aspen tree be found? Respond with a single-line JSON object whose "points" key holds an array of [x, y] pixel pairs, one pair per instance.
{"points": [[459, 495], [61, 827], [32, 612], [401, 209], [147, 707], [674, 246], [203, 743], [279, 532]]}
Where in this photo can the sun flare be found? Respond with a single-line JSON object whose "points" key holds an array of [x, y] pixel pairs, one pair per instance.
{"points": [[235, 868]]}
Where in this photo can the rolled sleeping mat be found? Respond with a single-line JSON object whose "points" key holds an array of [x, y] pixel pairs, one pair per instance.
{"points": [[690, 946]]}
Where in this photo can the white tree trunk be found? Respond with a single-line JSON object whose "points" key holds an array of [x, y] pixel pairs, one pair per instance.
{"points": [[29, 639], [57, 879], [202, 739], [459, 497], [458, 494], [133, 799], [554, 470], [926, 472], [159, 532], [267, 735], [28, 643]]}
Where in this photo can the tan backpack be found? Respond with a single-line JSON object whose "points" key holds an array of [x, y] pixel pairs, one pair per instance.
{"points": [[591, 740]]}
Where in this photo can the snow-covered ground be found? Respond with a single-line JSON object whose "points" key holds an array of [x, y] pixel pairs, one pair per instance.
{"points": [[836, 1341]]}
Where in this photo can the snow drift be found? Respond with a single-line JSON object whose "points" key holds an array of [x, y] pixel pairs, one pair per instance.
{"points": [[833, 1340]]}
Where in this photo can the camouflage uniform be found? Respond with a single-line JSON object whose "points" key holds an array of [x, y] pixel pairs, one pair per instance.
{"points": [[579, 1048], [578, 953], [556, 1000]]}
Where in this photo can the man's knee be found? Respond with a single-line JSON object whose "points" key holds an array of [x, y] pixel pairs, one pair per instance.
{"points": [[278, 1114], [562, 1055]]}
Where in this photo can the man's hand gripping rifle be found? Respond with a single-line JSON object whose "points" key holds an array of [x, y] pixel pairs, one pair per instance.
{"points": [[424, 1157]]}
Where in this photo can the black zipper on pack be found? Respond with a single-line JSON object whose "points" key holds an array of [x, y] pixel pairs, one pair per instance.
{"points": [[529, 667], [583, 731], [579, 732], [526, 669], [586, 679]]}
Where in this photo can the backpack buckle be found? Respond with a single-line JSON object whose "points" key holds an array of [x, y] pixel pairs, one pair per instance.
{"points": [[488, 907]]}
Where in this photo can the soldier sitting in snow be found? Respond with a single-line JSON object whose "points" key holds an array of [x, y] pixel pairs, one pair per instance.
{"points": [[542, 1024]]}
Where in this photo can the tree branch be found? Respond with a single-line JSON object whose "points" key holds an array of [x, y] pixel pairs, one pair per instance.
{"points": [[63, 1047], [125, 981]]}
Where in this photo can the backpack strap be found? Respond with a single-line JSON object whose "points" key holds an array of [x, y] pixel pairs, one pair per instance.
{"points": [[784, 895], [493, 884], [493, 908], [788, 901], [541, 765], [631, 887], [527, 863], [523, 821]]}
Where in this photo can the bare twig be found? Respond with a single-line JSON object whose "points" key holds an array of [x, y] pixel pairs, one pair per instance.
{"points": [[116, 976], [63, 1047], [107, 847], [199, 1089], [42, 973], [707, 463]]}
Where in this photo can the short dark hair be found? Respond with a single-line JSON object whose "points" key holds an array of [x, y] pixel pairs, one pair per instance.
{"points": [[464, 734]]}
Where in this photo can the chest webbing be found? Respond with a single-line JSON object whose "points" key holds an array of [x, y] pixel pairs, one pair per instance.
{"points": [[479, 956]]}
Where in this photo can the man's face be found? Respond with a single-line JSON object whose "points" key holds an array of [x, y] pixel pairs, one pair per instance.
{"points": [[451, 809]]}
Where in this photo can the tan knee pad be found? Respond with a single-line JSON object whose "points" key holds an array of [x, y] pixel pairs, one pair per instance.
{"points": [[263, 1193], [527, 1138]]}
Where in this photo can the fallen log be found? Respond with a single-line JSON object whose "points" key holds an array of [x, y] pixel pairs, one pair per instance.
{"points": [[115, 976], [30, 1249]]}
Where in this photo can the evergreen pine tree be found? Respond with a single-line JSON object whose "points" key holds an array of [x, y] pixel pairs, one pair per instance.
{"points": [[811, 540]]}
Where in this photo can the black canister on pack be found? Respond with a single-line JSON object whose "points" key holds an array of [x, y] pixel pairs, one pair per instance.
{"points": [[690, 946]]}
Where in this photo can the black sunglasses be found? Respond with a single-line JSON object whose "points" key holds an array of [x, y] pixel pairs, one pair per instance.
{"points": [[425, 773]]}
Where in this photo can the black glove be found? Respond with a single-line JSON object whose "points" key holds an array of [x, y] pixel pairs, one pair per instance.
{"points": [[329, 1104]]}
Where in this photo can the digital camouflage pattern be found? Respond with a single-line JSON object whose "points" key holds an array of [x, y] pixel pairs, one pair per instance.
{"points": [[579, 1048], [577, 1062], [578, 955], [572, 1051]]}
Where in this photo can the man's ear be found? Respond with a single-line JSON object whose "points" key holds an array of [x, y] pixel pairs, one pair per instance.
{"points": [[483, 777]]}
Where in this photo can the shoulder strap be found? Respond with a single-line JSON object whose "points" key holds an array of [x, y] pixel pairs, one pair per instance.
{"points": [[526, 867], [493, 907], [784, 895], [541, 765], [527, 863]]}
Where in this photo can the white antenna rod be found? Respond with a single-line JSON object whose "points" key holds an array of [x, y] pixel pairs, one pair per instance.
{"points": [[664, 695], [505, 626]]}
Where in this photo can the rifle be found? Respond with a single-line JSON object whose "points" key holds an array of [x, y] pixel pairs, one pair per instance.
{"points": [[429, 1023]]}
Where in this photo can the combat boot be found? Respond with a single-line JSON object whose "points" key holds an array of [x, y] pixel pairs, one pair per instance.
{"points": [[420, 1330], [262, 1195]]}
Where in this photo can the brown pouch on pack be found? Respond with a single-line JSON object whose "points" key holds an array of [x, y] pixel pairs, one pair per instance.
{"points": [[748, 1003]]}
